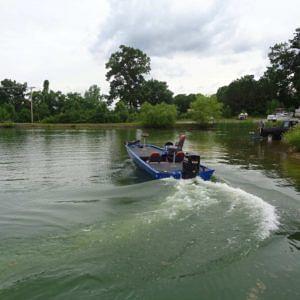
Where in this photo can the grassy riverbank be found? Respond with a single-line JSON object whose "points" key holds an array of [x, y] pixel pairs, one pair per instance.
{"points": [[292, 137], [179, 124]]}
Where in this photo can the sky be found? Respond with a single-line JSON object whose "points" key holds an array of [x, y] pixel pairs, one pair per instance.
{"points": [[196, 46]]}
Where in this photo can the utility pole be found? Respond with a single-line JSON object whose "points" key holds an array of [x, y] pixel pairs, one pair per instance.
{"points": [[31, 104]]}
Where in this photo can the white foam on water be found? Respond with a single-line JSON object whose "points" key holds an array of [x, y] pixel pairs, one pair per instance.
{"points": [[196, 194], [188, 197], [261, 211]]}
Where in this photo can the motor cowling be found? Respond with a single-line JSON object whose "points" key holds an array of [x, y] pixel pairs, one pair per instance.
{"points": [[190, 166]]}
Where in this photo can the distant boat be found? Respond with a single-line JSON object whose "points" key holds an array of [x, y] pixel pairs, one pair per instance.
{"points": [[276, 132], [169, 161]]}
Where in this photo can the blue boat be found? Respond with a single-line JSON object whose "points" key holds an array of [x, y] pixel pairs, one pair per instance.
{"points": [[169, 161]]}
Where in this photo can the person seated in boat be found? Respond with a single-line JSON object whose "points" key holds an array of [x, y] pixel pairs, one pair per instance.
{"points": [[180, 143], [171, 150]]}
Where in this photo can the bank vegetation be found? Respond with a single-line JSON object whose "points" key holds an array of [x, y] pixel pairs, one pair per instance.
{"points": [[135, 97]]}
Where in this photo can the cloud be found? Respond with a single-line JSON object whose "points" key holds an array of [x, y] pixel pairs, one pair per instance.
{"points": [[50, 40], [194, 45], [198, 45], [165, 27]]}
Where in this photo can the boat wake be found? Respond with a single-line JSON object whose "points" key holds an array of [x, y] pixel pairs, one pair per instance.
{"points": [[218, 200], [264, 213]]}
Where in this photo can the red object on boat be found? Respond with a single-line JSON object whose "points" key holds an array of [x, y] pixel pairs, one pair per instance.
{"points": [[179, 156], [154, 157]]}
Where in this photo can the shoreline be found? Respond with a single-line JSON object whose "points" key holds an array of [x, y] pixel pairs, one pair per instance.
{"points": [[88, 126], [178, 124]]}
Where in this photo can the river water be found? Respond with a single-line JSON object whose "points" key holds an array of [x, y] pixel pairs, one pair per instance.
{"points": [[79, 221]]}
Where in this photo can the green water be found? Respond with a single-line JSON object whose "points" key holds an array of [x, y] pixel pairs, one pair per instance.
{"points": [[79, 221]]}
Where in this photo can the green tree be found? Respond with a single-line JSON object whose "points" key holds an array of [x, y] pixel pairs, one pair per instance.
{"points": [[243, 94], [295, 66], [155, 92], [203, 109], [284, 71], [272, 105], [55, 101], [158, 116], [183, 102], [93, 94], [279, 73], [121, 112], [4, 115], [126, 70], [46, 85], [23, 116], [40, 106], [13, 93]]}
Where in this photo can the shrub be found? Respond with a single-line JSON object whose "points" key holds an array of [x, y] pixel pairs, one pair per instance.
{"points": [[7, 125], [292, 137], [271, 124], [203, 109], [121, 112], [158, 116], [23, 116], [4, 115], [272, 105]]}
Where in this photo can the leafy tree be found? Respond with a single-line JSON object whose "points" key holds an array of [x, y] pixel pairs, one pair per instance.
{"points": [[243, 94], [121, 112], [284, 71], [13, 93], [272, 105], [75, 108], [204, 108], [126, 70], [158, 116], [93, 94], [155, 92], [4, 115], [55, 101], [279, 73], [46, 85], [281, 81], [183, 102], [23, 115], [295, 66], [41, 109]]}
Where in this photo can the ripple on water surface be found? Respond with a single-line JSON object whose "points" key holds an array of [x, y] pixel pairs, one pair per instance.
{"points": [[78, 220], [169, 230]]}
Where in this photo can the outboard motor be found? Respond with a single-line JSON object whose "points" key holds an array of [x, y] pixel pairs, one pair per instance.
{"points": [[190, 166]]}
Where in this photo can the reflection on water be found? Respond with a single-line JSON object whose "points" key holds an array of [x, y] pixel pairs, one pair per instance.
{"points": [[78, 220]]}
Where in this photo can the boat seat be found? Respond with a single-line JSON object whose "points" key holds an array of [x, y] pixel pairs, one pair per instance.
{"points": [[154, 157], [167, 144], [179, 156]]}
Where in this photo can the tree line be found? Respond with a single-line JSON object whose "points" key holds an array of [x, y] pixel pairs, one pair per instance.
{"points": [[278, 87], [132, 95]]}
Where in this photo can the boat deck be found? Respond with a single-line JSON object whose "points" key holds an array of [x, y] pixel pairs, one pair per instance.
{"points": [[166, 166], [145, 151]]}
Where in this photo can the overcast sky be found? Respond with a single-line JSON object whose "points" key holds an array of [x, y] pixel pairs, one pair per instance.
{"points": [[194, 45]]}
